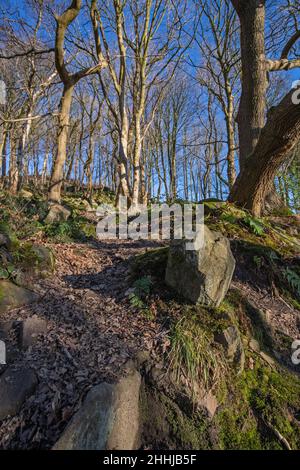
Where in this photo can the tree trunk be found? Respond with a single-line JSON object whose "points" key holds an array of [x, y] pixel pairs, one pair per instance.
{"points": [[63, 129], [277, 140], [252, 109], [44, 170], [122, 160], [13, 168], [136, 163], [88, 168], [231, 172], [3, 154]]}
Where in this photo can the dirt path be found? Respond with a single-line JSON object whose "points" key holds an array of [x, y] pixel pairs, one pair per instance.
{"points": [[92, 332]]}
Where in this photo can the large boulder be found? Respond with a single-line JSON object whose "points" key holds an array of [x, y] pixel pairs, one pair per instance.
{"points": [[57, 213], [108, 418], [15, 387], [12, 296], [203, 275]]}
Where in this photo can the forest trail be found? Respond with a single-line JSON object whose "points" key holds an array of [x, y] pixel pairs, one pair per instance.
{"points": [[91, 334], [93, 330]]}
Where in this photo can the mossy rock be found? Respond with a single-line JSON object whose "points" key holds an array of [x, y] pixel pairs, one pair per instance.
{"points": [[57, 213], [251, 321], [10, 240], [168, 425], [45, 260], [261, 399], [25, 194], [12, 296], [35, 259], [152, 263]]}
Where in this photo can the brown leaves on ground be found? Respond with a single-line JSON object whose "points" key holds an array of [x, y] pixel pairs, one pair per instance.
{"points": [[92, 332]]}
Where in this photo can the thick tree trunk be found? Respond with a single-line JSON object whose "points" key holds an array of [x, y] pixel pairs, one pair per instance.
{"points": [[252, 109], [277, 140], [62, 139]]}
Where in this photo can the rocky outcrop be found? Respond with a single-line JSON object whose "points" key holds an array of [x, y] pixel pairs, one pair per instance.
{"points": [[202, 276], [15, 387], [57, 213], [108, 418], [12, 296], [230, 339]]}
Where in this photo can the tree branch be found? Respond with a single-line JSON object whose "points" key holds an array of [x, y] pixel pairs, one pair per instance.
{"points": [[27, 53]]}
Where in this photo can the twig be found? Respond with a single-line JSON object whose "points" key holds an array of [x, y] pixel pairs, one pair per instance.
{"points": [[280, 437]]}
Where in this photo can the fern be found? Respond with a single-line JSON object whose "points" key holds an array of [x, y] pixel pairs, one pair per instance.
{"points": [[255, 225], [143, 286], [293, 279], [6, 272], [142, 289]]}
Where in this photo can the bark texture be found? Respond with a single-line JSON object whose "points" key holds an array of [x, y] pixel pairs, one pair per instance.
{"points": [[252, 109], [277, 140]]}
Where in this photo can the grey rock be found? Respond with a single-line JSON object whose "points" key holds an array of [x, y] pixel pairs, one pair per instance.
{"points": [[268, 359], [142, 357], [203, 275], [25, 194], [30, 329], [254, 345], [15, 387], [45, 257], [5, 328], [7, 238], [12, 296], [57, 213], [4, 240], [231, 341], [108, 418], [210, 403]]}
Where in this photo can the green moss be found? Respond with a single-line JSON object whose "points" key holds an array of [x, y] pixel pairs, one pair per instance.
{"points": [[190, 431], [263, 399], [166, 425], [6, 230], [74, 229], [238, 224], [152, 263], [238, 430]]}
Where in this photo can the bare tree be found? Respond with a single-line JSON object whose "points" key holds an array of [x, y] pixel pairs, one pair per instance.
{"points": [[69, 81], [219, 68], [150, 42]]}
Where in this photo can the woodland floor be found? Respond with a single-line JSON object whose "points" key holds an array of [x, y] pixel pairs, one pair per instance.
{"points": [[93, 332]]}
